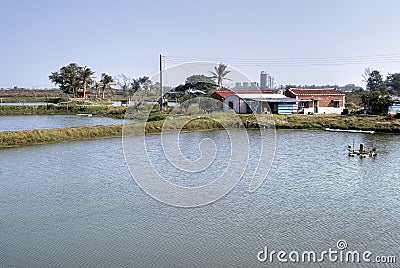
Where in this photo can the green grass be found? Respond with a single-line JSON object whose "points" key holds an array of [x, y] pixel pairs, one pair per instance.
{"points": [[378, 123], [44, 136], [196, 123]]}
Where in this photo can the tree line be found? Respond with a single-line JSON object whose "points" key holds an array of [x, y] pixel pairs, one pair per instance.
{"points": [[73, 78], [379, 90], [376, 82]]}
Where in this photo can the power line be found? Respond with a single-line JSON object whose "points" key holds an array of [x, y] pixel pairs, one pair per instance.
{"points": [[384, 58]]}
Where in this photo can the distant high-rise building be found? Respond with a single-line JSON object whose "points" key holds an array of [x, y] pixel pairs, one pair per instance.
{"points": [[246, 85], [253, 85], [238, 85], [266, 81]]}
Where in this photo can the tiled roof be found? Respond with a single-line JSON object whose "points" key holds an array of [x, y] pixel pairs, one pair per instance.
{"points": [[315, 91]]}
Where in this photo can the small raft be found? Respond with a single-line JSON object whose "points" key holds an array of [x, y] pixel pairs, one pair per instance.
{"points": [[350, 130], [362, 153]]}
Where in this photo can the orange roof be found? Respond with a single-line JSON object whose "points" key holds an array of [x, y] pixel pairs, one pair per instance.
{"points": [[315, 91]]}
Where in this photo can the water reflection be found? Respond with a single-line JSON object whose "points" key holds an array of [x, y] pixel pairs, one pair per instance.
{"points": [[75, 205]]}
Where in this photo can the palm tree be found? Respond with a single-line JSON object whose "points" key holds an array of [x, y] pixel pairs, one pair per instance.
{"points": [[97, 88], [106, 81], [86, 78], [219, 73]]}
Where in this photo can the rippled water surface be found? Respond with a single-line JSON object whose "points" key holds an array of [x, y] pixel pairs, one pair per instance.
{"points": [[76, 205], [25, 122], [22, 103]]}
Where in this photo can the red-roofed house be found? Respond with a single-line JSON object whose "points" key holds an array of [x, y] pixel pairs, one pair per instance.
{"points": [[318, 100], [222, 94]]}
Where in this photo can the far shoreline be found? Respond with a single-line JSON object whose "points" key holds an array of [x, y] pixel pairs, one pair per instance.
{"points": [[380, 124]]}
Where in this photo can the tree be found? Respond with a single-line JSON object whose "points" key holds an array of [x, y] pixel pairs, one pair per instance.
{"points": [[199, 78], [366, 75], [220, 74], [208, 105], [106, 81], [142, 83], [97, 88], [124, 82], [375, 82], [203, 86], [68, 78], [393, 82], [86, 78], [186, 101], [378, 102], [138, 86]]}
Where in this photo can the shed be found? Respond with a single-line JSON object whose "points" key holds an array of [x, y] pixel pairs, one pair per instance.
{"points": [[260, 103]]}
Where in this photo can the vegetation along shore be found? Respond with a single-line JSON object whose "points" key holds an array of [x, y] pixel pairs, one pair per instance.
{"points": [[79, 93], [311, 122]]}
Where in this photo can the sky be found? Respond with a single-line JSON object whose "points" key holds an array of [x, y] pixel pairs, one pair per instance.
{"points": [[302, 42]]}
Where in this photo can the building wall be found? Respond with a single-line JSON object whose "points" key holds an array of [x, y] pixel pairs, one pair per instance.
{"points": [[239, 106], [395, 108], [324, 110], [287, 108], [325, 103]]}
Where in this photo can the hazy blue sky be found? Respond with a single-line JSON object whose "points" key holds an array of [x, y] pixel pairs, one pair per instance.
{"points": [[38, 37]]}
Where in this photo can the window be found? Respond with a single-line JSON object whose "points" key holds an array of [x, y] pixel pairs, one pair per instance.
{"points": [[336, 104], [230, 104], [304, 104]]}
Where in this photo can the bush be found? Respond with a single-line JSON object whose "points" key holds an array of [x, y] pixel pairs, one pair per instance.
{"points": [[156, 117]]}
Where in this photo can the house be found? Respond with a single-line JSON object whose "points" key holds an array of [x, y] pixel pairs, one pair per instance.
{"points": [[395, 107], [244, 103], [318, 100], [80, 93], [222, 94]]}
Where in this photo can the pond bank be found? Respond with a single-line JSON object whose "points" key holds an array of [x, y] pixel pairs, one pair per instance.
{"points": [[380, 124], [311, 122]]}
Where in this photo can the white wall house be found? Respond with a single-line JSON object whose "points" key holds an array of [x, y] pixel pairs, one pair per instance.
{"points": [[318, 100], [259, 103]]}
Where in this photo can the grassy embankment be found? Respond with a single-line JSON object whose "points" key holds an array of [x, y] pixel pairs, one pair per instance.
{"points": [[44, 136], [377, 123], [191, 123]]}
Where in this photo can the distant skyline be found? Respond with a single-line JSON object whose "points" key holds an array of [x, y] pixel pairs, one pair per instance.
{"points": [[298, 42]]}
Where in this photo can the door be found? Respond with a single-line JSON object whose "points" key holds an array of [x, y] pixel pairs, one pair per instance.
{"points": [[315, 106]]}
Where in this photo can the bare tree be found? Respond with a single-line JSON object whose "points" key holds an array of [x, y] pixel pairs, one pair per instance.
{"points": [[366, 75], [124, 82]]}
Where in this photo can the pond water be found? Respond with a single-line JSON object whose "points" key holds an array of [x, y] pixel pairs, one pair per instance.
{"points": [[170, 103], [25, 122], [76, 205], [22, 103], [114, 103]]}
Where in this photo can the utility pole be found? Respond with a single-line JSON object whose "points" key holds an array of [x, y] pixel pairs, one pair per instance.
{"points": [[161, 86]]}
